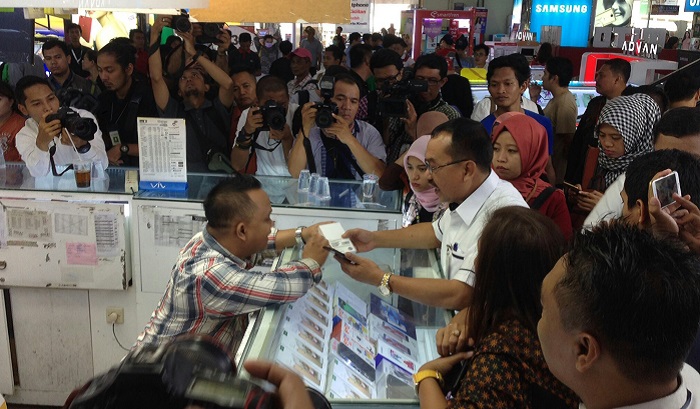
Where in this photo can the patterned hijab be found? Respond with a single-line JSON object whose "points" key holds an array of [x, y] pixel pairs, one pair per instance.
{"points": [[634, 117], [427, 198], [531, 138]]}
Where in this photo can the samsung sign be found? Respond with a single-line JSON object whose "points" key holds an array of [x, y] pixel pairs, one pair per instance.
{"points": [[571, 15], [692, 5]]}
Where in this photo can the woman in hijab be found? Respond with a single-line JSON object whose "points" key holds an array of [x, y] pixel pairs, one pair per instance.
{"points": [[520, 154], [625, 131], [421, 203]]}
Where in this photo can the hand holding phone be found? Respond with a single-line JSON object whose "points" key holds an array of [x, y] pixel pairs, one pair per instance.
{"points": [[339, 254], [572, 186], [664, 188]]}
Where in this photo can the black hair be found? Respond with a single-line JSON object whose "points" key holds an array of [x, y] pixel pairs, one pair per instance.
{"points": [[229, 200], [354, 36], [620, 67], [433, 61], [517, 62], [52, 43], [334, 70], [509, 287], [469, 141], [390, 40], [678, 123], [483, 47], [643, 168], [562, 68], [91, 55], [656, 93], [6, 91], [135, 31], [71, 26], [26, 82], [681, 86], [239, 68], [638, 295], [544, 53], [268, 37], [366, 37], [345, 78], [358, 54], [123, 52], [377, 37], [244, 38], [269, 83], [286, 47], [337, 52], [384, 58]]}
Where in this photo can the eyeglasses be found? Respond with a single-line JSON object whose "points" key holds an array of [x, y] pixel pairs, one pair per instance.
{"points": [[433, 169], [389, 80], [430, 81]]}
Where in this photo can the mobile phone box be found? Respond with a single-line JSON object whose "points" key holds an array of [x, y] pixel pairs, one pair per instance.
{"points": [[393, 382]]}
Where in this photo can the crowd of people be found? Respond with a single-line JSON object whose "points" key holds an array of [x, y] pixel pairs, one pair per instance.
{"points": [[571, 281]]}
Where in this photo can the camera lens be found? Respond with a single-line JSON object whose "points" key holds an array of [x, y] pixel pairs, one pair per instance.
{"points": [[324, 119], [183, 25], [210, 29]]}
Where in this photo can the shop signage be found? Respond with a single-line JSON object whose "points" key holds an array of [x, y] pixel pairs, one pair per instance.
{"points": [[664, 10], [692, 5], [644, 42], [571, 15], [359, 16]]}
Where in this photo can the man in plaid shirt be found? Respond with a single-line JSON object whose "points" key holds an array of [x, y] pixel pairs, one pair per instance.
{"points": [[213, 284]]}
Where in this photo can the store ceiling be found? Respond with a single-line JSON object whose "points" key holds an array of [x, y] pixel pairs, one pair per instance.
{"points": [[325, 11]]}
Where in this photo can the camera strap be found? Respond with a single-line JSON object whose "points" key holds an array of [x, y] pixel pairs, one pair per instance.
{"points": [[52, 152], [205, 142]]}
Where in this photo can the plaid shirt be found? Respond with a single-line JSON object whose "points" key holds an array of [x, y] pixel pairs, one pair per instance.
{"points": [[211, 291]]}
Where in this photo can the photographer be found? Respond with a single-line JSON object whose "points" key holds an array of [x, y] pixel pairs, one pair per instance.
{"points": [[264, 136], [347, 148], [37, 101], [208, 121]]}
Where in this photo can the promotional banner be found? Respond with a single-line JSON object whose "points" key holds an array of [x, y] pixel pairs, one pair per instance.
{"points": [[359, 16], [616, 13], [692, 5], [571, 15]]}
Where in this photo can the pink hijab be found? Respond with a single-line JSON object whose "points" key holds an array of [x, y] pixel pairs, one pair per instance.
{"points": [[428, 198], [531, 138]]}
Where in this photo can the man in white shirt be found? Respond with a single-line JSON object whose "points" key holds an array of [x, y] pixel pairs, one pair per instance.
{"points": [[620, 312], [458, 157], [38, 138], [265, 152]]}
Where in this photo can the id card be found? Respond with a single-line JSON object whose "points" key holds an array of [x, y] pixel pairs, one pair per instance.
{"points": [[115, 138]]}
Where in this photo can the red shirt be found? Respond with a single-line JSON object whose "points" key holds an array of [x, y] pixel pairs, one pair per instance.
{"points": [[10, 128]]}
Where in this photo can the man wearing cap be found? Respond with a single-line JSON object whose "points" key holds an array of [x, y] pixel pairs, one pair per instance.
{"points": [[314, 46], [301, 59]]}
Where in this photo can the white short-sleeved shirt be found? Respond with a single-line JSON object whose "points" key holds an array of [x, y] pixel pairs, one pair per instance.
{"points": [[609, 206], [483, 108], [272, 162], [459, 229]]}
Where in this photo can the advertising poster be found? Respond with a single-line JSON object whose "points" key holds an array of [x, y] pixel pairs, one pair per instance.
{"points": [[359, 16], [570, 15], [616, 13]]}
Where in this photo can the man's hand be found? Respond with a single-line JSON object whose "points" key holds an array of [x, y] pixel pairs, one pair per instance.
{"points": [[281, 135], [535, 91], [363, 270], [308, 117], [224, 39], [452, 338], [363, 240], [689, 223], [159, 21], [254, 120], [47, 131], [114, 155], [188, 41], [588, 200], [411, 121], [290, 387], [314, 249], [340, 130]]}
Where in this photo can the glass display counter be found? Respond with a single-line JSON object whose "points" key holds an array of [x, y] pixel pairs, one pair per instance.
{"points": [[347, 340]]}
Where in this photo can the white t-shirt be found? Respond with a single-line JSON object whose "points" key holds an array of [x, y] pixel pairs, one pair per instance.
{"points": [[483, 108], [37, 161], [610, 205], [459, 230], [273, 162]]}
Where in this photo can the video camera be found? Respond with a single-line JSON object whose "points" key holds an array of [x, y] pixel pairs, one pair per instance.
{"points": [[83, 128], [326, 109], [181, 22], [190, 370], [394, 96], [274, 116]]}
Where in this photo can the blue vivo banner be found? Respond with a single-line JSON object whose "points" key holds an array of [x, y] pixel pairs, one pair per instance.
{"points": [[574, 17], [692, 5]]}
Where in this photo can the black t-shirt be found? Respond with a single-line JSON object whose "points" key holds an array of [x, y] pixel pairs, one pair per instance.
{"points": [[250, 59], [120, 114], [76, 60], [282, 67]]}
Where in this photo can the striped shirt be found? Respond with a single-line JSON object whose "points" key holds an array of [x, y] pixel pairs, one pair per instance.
{"points": [[211, 291]]}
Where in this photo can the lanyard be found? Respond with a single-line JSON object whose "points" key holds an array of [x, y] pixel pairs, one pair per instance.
{"points": [[77, 59], [686, 405]]}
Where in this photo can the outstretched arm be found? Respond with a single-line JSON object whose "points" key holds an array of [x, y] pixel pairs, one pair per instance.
{"points": [[155, 64]]}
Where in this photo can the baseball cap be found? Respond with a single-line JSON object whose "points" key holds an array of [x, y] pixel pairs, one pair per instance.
{"points": [[461, 43], [302, 53]]}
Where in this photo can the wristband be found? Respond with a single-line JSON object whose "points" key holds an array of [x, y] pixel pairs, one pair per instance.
{"points": [[153, 49], [197, 55]]}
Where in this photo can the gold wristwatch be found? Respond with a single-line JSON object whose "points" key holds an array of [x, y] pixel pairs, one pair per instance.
{"points": [[419, 376]]}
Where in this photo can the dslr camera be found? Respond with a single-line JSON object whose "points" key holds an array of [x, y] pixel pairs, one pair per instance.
{"points": [[394, 96], [181, 22], [326, 109], [83, 128], [274, 116], [209, 33], [190, 370]]}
